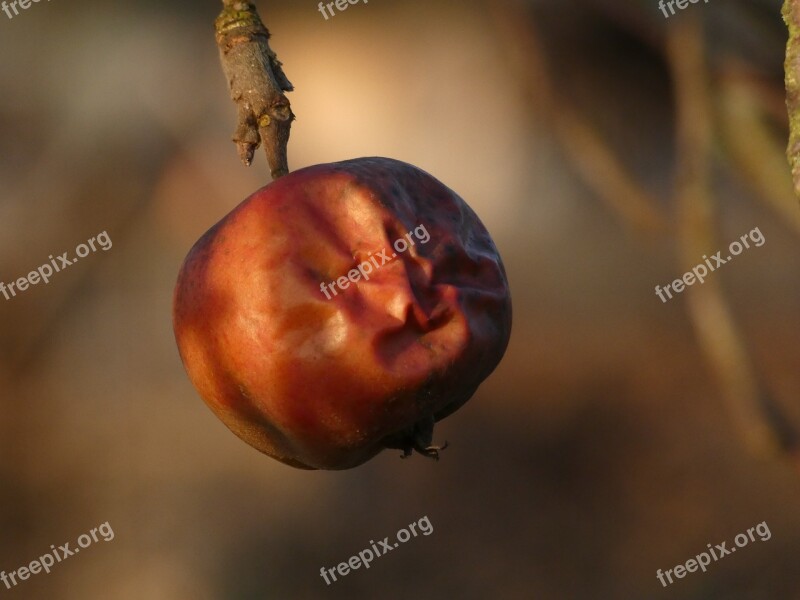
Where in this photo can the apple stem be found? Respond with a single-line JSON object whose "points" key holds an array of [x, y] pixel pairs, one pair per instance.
{"points": [[257, 83]]}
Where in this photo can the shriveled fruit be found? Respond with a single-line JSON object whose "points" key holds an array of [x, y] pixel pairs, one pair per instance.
{"points": [[325, 380]]}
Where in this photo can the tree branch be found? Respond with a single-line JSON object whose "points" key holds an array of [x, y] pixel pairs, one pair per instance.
{"points": [[761, 420], [595, 161], [257, 83], [791, 15]]}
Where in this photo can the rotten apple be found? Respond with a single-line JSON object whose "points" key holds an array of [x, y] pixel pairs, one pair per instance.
{"points": [[342, 309]]}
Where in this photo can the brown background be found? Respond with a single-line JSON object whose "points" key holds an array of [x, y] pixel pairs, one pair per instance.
{"points": [[602, 448]]}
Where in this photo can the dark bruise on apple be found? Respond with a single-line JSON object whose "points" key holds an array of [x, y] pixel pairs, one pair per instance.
{"points": [[322, 383]]}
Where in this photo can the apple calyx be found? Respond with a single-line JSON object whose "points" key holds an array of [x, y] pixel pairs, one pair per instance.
{"points": [[417, 438]]}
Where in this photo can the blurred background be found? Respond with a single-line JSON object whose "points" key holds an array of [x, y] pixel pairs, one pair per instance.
{"points": [[606, 148]]}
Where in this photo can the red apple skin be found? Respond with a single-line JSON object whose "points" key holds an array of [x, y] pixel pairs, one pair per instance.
{"points": [[322, 383]]}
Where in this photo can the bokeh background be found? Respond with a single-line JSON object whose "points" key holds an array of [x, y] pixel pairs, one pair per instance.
{"points": [[606, 148]]}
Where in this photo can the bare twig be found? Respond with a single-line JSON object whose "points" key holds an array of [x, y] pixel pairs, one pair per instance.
{"points": [[754, 149], [257, 83], [591, 156], [791, 15], [764, 428]]}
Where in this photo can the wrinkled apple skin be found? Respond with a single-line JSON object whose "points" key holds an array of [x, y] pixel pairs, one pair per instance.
{"points": [[323, 383]]}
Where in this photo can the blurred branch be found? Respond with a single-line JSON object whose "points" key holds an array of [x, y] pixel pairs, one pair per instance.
{"points": [[754, 149], [761, 421], [720, 340], [257, 83], [791, 15], [595, 161]]}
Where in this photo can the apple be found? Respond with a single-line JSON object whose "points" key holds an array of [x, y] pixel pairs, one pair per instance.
{"points": [[340, 310]]}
